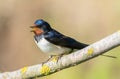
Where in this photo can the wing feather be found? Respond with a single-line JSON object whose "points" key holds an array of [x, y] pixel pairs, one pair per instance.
{"points": [[62, 40]]}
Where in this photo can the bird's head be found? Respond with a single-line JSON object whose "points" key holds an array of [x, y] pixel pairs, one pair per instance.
{"points": [[40, 27]]}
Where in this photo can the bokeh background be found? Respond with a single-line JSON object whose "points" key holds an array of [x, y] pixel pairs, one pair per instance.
{"points": [[85, 20]]}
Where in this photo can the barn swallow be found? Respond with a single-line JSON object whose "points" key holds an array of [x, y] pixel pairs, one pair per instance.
{"points": [[53, 42]]}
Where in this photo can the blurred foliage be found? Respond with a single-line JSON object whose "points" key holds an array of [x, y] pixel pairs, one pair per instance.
{"points": [[85, 20]]}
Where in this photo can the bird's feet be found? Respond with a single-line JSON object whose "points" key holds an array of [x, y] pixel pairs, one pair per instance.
{"points": [[53, 58]]}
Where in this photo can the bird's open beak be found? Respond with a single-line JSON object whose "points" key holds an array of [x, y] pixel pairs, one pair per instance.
{"points": [[36, 29]]}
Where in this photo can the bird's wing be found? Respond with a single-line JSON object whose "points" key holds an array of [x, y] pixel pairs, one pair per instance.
{"points": [[65, 41]]}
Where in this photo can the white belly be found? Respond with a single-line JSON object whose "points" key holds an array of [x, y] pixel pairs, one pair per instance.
{"points": [[50, 48]]}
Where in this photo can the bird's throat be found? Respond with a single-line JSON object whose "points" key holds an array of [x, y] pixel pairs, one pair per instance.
{"points": [[38, 32]]}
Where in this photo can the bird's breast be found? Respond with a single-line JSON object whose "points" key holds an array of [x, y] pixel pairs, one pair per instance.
{"points": [[50, 48]]}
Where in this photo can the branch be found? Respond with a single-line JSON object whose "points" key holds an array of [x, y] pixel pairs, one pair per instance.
{"points": [[66, 61]]}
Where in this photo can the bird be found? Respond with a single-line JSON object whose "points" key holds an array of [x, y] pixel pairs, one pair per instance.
{"points": [[53, 42]]}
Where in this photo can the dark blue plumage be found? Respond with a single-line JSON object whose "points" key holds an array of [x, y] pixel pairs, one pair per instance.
{"points": [[62, 40], [39, 22]]}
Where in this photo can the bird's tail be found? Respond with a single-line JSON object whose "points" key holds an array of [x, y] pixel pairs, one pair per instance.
{"points": [[109, 56]]}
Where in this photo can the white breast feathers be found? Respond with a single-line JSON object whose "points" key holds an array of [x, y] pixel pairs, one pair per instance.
{"points": [[50, 48]]}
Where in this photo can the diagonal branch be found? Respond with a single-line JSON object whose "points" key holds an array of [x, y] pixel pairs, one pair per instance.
{"points": [[66, 61]]}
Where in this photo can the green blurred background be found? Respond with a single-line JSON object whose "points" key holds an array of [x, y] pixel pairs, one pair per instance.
{"points": [[87, 21]]}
